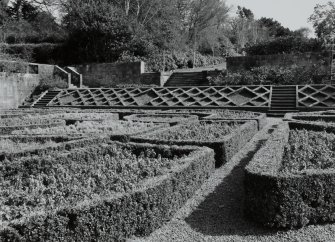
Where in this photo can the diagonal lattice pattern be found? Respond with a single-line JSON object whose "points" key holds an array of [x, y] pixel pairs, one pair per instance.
{"points": [[228, 96], [318, 96]]}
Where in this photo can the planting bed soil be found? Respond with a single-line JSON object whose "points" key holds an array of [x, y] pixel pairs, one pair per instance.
{"points": [[171, 119], [226, 138], [106, 191], [290, 182]]}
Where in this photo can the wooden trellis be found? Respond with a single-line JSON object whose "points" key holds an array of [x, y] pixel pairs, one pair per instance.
{"points": [[228, 96]]}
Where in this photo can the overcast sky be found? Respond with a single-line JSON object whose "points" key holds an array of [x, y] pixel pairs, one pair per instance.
{"points": [[293, 14]]}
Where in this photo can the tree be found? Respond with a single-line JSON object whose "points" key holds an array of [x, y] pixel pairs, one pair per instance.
{"points": [[22, 9], [274, 27], [245, 13], [98, 31], [323, 20]]}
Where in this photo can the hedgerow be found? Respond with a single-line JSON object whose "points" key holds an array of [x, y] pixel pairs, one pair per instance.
{"points": [[154, 184], [161, 118], [92, 127], [202, 131], [238, 115], [226, 138], [309, 150], [8, 145], [295, 189], [7, 126]]}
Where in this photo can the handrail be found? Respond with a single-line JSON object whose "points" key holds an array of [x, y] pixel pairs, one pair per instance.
{"points": [[39, 98], [296, 96], [270, 99]]}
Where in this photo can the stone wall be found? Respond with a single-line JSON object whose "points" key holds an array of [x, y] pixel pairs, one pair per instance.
{"points": [[111, 74], [246, 62], [15, 88]]}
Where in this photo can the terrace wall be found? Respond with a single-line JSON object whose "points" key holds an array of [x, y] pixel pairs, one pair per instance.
{"points": [[106, 75], [15, 88], [239, 63]]}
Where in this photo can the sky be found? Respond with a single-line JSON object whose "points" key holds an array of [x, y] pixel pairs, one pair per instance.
{"points": [[292, 14]]}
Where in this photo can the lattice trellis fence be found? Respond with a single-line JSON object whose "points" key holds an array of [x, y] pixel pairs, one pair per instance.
{"points": [[232, 96], [316, 96]]}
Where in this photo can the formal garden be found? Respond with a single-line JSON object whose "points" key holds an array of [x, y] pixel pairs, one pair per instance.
{"points": [[105, 175]]}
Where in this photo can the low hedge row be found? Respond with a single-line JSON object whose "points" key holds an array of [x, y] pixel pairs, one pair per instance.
{"points": [[68, 143], [120, 215], [5, 130], [225, 147], [171, 119], [282, 199], [261, 118], [89, 128], [83, 116]]}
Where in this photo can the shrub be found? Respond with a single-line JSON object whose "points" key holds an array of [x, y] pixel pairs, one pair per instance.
{"points": [[93, 128], [309, 150], [298, 193], [274, 75], [51, 83], [155, 192], [41, 53], [173, 61], [226, 138], [172, 119], [285, 45], [238, 115]]}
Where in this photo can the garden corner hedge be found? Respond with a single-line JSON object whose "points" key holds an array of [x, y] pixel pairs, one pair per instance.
{"points": [[286, 200], [225, 148], [171, 119], [261, 119], [113, 218]]}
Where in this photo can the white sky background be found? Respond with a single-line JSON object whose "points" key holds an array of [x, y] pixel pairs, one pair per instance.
{"points": [[292, 14]]}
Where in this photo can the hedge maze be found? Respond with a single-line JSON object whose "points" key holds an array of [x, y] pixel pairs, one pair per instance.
{"points": [[111, 174]]}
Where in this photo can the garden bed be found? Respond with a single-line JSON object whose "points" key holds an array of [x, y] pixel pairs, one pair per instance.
{"points": [[290, 182], [60, 144], [171, 119], [7, 126], [106, 127], [114, 191], [226, 138], [238, 115]]}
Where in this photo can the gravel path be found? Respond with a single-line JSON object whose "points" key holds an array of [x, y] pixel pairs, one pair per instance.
{"points": [[215, 213]]}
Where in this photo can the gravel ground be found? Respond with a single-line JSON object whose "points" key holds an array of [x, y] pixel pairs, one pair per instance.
{"points": [[215, 213]]}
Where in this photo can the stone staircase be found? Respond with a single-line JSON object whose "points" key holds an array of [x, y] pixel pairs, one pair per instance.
{"points": [[283, 101], [184, 79], [45, 99]]}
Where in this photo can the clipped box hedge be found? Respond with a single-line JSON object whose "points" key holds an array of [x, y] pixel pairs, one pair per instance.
{"points": [[225, 147], [7, 126], [117, 216], [171, 119], [63, 144], [287, 199], [238, 115]]}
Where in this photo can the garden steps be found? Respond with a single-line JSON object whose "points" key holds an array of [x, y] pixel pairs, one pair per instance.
{"points": [[187, 79], [46, 99], [283, 101]]}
